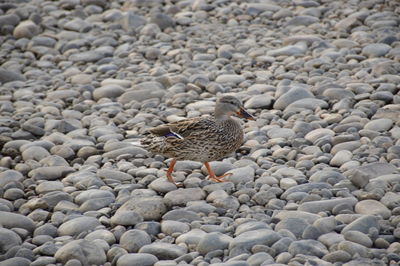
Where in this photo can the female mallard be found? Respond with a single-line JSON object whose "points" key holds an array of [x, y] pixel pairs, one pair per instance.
{"points": [[201, 139]]}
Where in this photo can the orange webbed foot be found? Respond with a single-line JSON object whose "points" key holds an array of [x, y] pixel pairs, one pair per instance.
{"points": [[219, 179]]}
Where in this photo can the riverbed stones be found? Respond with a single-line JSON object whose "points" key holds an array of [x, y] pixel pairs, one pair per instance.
{"points": [[315, 180]]}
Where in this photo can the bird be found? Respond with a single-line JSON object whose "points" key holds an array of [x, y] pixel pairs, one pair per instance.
{"points": [[203, 139]]}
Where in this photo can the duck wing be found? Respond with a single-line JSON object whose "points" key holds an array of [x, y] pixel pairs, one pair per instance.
{"points": [[183, 128]]}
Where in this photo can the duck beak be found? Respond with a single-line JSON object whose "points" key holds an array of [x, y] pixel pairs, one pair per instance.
{"points": [[243, 113]]}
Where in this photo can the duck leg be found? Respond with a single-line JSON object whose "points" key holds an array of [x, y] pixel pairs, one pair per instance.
{"points": [[170, 170], [169, 173], [212, 176]]}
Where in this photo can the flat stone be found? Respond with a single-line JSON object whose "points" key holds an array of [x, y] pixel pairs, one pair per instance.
{"points": [[8, 239], [126, 218], [193, 237], [181, 196], [245, 241], [325, 205], [88, 56], [353, 248], [361, 176], [162, 185], [380, 125], [259, 102], [330, 239], [282, 245], [294, 225], [278, 132], [102, 234], [242, 174], [349, 146], [181, 215], [285, 214], [372, 207], [148, 208], [341, 157], [362, 224], [82, 250], [78, 225], [137, 260], [230, 78], [17, 261], [108, 91], [318, 133], [250, 226], [359, 238], [305, 188], [306, 104], [133, 240], [213, 241], [259, 258], [337, 256], [140, 95], [93, 194], [376, 49], [9, 76], [290, 50], [26, 29], [303, 20], [164, 251], [325, 175], [10, 176], [114, 174], [170, 227], [15, 220], [308, 247]]}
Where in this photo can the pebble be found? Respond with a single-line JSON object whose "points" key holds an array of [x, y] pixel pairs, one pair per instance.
{"points": [[358, 237], [14, 220], [84, 251], [137, 260], [341, 157], [362, 224], [193, 237], [163, 251], [315, 181], [242, 174], [134, 239], [295, 225], [78, 225], [307, 247], [9, 239], [148, 208], [183, 196], [291, 96], [372, 207], [126, 218], [26, 29], [234, 79], [380, 125], [245, 241], [325, 205], [360, 176], [376, 49]]}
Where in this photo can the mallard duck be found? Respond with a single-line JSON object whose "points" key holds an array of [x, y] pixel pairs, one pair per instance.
{"points": [[201, 139]]}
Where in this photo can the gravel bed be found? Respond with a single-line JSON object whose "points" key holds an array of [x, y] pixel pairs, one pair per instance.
{"points": [[316, 182]]}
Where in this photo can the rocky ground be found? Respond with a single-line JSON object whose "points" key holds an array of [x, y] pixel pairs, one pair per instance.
{"points": [[316, 182]]}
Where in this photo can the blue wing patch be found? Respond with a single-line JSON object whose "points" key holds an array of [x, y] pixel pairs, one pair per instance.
{"points": [[173, 134]]}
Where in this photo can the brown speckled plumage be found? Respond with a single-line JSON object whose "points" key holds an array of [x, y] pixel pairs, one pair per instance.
{"points": [[200, 139], [204, 139]]}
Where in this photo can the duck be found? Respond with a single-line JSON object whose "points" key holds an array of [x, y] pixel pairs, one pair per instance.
{"points": [[202, 139]]}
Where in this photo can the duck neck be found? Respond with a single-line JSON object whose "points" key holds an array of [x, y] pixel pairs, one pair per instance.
{"points": [[222, 117]]}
